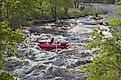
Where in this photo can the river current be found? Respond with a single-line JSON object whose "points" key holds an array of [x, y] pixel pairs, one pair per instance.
{"points": [[61, 64]]}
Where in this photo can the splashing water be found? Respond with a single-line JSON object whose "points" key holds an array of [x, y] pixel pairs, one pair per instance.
{"points": [[42, 64]]}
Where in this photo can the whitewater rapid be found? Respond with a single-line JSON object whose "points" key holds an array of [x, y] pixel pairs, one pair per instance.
{"points": [[61, 64]]}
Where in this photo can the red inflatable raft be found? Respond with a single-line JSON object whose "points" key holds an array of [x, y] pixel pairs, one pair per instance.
{"points": [[54, 45]]}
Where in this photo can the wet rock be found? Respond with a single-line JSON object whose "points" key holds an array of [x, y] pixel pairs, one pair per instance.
{"points": [[13, 63], [75, 63], [52, 72], [30, 53], [42, 64], [58, 78], [58, 61], [45, 56], [86, 53], [18, 71]]}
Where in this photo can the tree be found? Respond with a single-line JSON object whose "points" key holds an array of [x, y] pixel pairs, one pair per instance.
{"points": [[66, 4], [8, 42], [76, 3], [13, 13], [42, 8], [54, 6], [17, 12], [107, 57]]}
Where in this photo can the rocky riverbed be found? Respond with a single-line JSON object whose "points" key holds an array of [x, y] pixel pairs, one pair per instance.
{"points": [[60, 64], [55, 64]]}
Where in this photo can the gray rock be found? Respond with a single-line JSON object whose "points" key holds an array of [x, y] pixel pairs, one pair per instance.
{"points": [[13, 63], [58, 78]]}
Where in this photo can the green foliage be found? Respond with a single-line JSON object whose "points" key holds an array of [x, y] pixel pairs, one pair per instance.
{"points": [[51, 8], [107, 57], [6, 76], [1, 64], [8, 41], [17, 12], [21, 12], [9, 37], [118, 1], [13, 13], [115, 22]]}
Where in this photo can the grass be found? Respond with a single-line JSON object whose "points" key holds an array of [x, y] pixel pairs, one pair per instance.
{"points": [[75, 12]]}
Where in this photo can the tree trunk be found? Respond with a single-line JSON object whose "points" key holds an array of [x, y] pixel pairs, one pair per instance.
{"points": [[54, 13], [53, 10], [74, 4], [66, 12], [42, 11]]}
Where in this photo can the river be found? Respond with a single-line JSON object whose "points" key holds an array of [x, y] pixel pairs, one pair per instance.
{"points": [[111, 8], [60, 64]]}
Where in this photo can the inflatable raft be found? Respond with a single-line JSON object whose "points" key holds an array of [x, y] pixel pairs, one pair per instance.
{"points": [[54, 45], [96, 18]]}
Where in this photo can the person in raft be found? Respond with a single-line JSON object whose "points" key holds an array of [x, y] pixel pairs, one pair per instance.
{"points": [[52, 40], [96, 15]]}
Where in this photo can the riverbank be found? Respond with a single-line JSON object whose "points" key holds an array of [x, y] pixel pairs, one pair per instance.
{"points": [[61, 64], [72, 13]]}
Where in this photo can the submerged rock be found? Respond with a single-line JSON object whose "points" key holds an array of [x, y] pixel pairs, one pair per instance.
{"points": [[13, 63], [58, 78], [60, 64]]}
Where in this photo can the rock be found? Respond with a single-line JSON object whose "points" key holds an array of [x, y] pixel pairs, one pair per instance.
{"points": [[41, 64], [58, 78], [106, 34], [49, 69], [58, 61], [45, 56], [13, 63], [52, 72]]}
